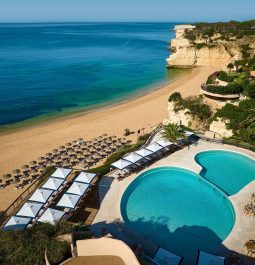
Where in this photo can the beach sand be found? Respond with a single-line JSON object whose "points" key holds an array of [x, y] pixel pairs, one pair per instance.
{"points": [[20, 147]]}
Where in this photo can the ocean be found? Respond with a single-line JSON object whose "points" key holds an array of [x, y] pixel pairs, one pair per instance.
{"points": [[54, 69]]}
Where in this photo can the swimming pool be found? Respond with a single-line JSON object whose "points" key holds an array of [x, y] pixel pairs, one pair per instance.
{"points": [[177, 209], [228, 170]]}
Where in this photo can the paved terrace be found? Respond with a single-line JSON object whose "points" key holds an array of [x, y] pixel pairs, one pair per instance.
{"points": [[111, 190]]}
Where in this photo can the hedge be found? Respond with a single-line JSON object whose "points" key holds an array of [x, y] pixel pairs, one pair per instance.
{"points": [[232, 88]]}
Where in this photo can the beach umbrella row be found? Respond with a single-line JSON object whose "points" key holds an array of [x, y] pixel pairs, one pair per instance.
{"points": [[72, 153]]}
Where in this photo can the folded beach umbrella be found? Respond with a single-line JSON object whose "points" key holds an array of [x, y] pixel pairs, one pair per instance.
{"points": [[164, 143], [78, 188], [61, 173], [85, 177], [41, 195], [69, 200], [16, 223], [144, 152], [121, 164], [133, 157], [207, 258], [51, 216], [30, 209], [154, 147], [53, 183]]}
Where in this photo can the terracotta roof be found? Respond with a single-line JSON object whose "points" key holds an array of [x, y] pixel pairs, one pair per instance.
{"points": [[253, 73]]}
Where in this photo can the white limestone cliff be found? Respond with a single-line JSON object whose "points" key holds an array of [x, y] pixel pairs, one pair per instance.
{"points": [[219, 126], [178, 117], [219, 53]]}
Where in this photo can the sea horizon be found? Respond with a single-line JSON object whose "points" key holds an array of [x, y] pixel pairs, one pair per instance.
{"points": [[98, 66]]}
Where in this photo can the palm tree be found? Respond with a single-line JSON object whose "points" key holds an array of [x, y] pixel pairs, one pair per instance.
{"points": [[172, 132]]}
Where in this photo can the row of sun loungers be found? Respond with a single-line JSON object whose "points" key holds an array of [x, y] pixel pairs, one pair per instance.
{"points": [[142, 157], [146, 155], [37, 208]]}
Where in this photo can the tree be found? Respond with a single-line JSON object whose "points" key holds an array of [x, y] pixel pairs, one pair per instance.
{"points": [[172, 132], [230, 67]]}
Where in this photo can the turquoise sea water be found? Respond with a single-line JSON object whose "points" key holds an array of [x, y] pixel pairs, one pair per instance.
{"points": [[227, 170], [51, 69], [178, 210]]}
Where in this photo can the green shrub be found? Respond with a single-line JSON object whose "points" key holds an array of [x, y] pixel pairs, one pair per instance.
{"points": [[225, 77], [232, 113], [212, 78], [231, 88], [251, 91], [201, 45], [28, 246], [245, 50], [236, 114], [190, 35], [100, 170], [248, 104], [175, 97], [196, 108]]}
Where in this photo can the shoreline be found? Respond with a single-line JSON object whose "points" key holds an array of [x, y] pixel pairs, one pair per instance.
{"points": [[21, 146], [51, 118]]}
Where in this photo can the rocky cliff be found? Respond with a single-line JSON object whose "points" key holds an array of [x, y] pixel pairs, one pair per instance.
{"points": [[191, 49], [181, 117]]}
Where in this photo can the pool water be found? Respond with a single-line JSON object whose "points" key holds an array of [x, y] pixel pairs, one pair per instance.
{"points": [[177, 209], [228, 170]]}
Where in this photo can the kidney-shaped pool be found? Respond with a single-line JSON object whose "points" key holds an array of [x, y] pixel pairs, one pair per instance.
{"points": [[179, 210]]}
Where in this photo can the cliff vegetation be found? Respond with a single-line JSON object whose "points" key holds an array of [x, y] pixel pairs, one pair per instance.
{"points": [[194, 106], [212, 44], [225, 30]]}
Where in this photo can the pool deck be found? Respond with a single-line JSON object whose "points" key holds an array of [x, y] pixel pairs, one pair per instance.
{"points": [[111, 191]]}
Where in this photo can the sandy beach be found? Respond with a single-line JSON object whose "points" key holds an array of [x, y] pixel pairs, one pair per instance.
{"points": [[20, 147]]}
